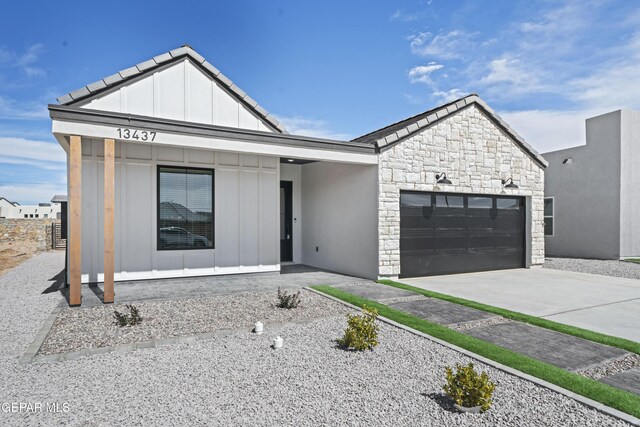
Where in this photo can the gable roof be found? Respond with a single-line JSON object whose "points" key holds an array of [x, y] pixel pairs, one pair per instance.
{"points": [[394, 133], [175, 55], [9, 201]]}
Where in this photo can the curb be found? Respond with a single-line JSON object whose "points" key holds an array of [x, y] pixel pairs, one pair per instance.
{"points": [[584, 400], [34, 347]]}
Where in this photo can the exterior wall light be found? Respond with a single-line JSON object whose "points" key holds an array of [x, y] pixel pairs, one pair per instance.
{"points": [[441, 178], [508, 183]]}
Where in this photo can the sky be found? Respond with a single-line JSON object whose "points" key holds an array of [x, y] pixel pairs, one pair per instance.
{"points": [[335, 69]]}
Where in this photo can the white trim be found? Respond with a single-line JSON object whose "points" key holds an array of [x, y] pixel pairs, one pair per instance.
{"points": [[552, 216], [187, 272], [62, 128]]}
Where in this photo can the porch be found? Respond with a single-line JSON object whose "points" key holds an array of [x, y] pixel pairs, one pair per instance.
{"points": [[292, 276]]}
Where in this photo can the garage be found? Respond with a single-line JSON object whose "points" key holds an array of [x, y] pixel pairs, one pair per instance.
{"points": [[447, 233]]}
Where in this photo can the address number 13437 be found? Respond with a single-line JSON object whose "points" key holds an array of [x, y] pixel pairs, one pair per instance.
{"points": [[138, 135]]}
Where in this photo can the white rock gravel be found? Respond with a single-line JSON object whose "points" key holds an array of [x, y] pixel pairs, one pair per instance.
{"points": [[239, 380], [80, 328], [612, 367], [629, 270]]}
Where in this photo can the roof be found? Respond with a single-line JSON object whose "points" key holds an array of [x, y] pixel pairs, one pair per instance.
{"points": [[10, 202], [396, 132], [175, 55], [100, 117], [59, 198]]}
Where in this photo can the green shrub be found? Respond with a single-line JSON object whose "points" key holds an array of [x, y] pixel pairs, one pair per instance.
{"points": [[288, 301], [131, 319], [468, 388], [362, 331]]}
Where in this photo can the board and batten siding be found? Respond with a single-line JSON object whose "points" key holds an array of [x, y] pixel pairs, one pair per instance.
{"points": [[246, 213], [179, 91]]}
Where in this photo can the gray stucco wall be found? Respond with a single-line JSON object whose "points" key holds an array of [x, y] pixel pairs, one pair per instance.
{"points": [[476, 155], [630, 185], [339, 212], [586, 193]]}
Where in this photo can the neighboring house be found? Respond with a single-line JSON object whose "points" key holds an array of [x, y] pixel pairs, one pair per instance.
{"points": [[14, 210], [592, 192], [184, 174]]}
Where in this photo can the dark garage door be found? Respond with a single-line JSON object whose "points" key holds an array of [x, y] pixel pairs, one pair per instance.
{"points": [[444, 233]]}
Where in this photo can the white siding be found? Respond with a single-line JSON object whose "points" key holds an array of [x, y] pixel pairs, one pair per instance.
{"points": [[340, 208], [245, 206], [180, 91]]}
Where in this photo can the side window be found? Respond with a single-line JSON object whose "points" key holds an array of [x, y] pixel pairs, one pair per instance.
{"points": [[548, 216]]}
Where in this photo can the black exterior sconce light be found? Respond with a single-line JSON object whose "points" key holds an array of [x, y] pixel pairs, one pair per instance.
{"points": [[508, 183], [441, 178]]}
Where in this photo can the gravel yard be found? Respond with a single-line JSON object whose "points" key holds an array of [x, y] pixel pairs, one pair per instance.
{"points": [[239, 380], [76, 329], [629, 270]]}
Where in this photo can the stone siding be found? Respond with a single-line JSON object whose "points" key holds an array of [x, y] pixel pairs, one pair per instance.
{"points": [[476, 155], [26, 230]]}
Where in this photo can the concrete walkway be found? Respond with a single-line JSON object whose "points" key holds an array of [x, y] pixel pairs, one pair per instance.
{"points": [[558, 349], [609, 305], [291, 277]]}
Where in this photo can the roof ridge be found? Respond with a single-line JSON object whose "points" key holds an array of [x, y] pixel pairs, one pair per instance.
{"points": [[165, 58], [414, 117], [407, 127]]}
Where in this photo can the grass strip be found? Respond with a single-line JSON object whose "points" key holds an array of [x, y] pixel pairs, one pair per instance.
{"points": [[600, 392], [624, 344], [636, 260]]}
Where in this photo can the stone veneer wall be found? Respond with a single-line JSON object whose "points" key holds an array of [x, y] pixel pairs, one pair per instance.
{"points": [[36, 231], [475, 154]]}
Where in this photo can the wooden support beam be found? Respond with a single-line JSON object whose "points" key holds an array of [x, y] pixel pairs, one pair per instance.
{"points": [[75, 220], [109, 201]]}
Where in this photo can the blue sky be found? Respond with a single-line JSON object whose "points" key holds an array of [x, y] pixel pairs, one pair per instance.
{"points": [[333, 68]]}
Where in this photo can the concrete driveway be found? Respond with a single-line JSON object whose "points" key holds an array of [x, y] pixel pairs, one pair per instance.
{"points": [[609, 305]]}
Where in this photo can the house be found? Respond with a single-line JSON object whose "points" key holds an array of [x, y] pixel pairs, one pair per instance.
{"points": [[175, 171], [15, 210], [602, 220]]}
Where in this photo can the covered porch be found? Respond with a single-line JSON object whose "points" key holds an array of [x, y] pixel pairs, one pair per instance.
{"points": [[114, 195]]}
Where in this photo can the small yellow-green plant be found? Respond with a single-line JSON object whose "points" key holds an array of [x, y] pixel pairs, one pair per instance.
{"points": [[468, 388], [362, 331]]}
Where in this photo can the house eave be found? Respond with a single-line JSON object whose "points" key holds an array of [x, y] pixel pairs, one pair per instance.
{"points": [[204, 135]]}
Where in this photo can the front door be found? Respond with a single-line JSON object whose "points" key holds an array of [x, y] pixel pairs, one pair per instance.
{"points": [[286, 228]]}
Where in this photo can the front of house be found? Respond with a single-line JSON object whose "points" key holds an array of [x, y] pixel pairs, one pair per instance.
{"points": [[174, 171]]}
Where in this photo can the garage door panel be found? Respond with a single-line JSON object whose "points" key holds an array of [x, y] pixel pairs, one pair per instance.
{"points": [[453, 233]]}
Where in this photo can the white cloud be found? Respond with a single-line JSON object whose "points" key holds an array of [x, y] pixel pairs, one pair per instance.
{"points": [[452, 45], [298, 125], [510, 78], [449, 95], [11, 109], [30, 57], [547, 130], [25, 61], [421, 73], [26, 194], [46, 155], [402, 16]]}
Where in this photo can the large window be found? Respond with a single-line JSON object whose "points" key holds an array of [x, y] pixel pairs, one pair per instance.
{"points": [[185, 208], [548, 216]]}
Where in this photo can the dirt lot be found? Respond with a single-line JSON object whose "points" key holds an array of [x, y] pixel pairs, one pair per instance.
{"points": [[12, 254]]}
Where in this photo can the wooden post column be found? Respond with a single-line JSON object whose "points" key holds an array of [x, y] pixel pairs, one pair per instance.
{"points": [[109, 198], [75, 220]]}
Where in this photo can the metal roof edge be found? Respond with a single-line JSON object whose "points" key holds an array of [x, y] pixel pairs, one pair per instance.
{"points": [[70, 113], [149, 65]]}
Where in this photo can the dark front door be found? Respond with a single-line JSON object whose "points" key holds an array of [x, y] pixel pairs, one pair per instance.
{"points": [[286, 226], [445, 233]]}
